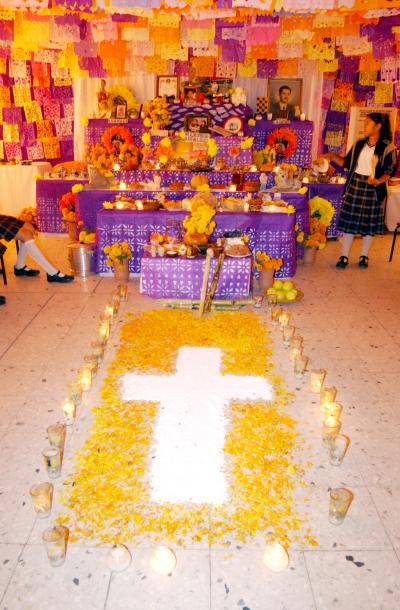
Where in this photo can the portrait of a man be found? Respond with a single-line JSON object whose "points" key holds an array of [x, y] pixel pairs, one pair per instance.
{"points": [[285, 98]]}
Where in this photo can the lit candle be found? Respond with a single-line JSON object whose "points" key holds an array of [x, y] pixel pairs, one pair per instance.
{"points": [[139, 205], [276, 557], [296, 347], [85, 378], [104, 331], [269, 116], [122, 186], [333, 408], [284, 319], [288, 333], [97, 349], [123, 291], [163, 560], [120, 205], [74, 392], [327, 396], [116, 300], [342, 180], [56, 435], [254, 168], [246, 206], [119, 558], [92, 362], [116, 167], [306, 180], [232, 188], [109, 311], [317, 380], [302, 116], [275, 313], [300, 364], [69, 410], [330, 429], [42, 498], [157, 165]]}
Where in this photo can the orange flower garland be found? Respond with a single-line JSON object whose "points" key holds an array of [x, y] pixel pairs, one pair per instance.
{"points": [[122, 134], [283, 141]]}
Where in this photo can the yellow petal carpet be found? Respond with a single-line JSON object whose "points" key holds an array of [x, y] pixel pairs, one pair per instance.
{"points": [[108, 495]]}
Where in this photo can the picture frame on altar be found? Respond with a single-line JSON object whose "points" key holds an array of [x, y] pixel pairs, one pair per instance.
{"points": [[120, 111], [168, 86], [285, 97], [197, 122]]}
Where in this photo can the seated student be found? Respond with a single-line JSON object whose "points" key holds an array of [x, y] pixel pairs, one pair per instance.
{"points": [[13, 228]]}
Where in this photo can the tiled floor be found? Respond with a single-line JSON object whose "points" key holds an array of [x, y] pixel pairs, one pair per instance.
{"points": [[350, 323]]}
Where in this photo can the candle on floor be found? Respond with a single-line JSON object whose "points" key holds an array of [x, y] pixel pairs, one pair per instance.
{"points": [[119, 558], [333, 408], [92, 362], [97, 349], [272, 300], [56, 435], [287, 334], [328, 395], [340, 500], [116, 301], [275, 314], [330, 429], [295, 347], [52, 460], [337, 449], [300, 364], [74, 392], [109, 311], [55, 542], [104, 332], [163, 560], [276, 557], [69, 410], [42, 498], [284, 319], [317, 380], [85, 378], [123, 291]]}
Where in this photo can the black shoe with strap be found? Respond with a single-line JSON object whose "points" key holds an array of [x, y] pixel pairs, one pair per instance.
{"points": [[342, 262], [363, 262], [60, 279], [26, 271]]}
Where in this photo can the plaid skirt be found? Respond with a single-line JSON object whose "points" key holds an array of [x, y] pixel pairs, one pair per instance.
{"points": [[361, 212], [9, 227]]}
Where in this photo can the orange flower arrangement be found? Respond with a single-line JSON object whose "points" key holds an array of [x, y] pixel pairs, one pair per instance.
{"points": [[67, 206], [283, 141], [115, 134]]}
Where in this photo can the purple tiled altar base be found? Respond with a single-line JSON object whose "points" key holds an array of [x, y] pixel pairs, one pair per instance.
{"points": [[96, 127], [181, 278], [272, 233], [304, 131], [48, 193], [218, 112], [334, 194], [170, 176]]}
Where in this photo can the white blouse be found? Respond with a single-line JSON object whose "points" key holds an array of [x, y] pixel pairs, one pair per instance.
{"points": [[364, 163]]}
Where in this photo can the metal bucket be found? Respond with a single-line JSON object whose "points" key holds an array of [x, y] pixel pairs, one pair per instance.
{"points": [[81, 258]]}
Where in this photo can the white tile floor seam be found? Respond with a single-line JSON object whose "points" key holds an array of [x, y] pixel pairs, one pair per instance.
{"points": [[349, 321]]}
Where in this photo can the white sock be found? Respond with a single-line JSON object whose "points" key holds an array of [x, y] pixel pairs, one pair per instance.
{"points": [[366, 244], [21, 256], [346, 243], [39, 257]]}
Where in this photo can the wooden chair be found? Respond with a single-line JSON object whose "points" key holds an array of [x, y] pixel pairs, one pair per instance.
{"points": [[395, 233]]}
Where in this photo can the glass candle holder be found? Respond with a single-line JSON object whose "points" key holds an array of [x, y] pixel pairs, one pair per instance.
{"points": [[272, 300], [123, 291], [74, 392], [116, 301], [275, 313], [333, 408], [92, 362], [339, 504], [109, 311], [284, 319], [98, 349], [327, 396], [258, 299], [85, 378], [56, 435], [55, 542], [163, 560], [119, 558], [317, 380], [287, 334], [52, 459], [42, 498], [295, 347], [104, 332], [300, 365], [330, 430], [69, 411], [276, 557], [338, 448]]}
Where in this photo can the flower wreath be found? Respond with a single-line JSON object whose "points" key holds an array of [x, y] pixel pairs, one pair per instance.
{"points": [[283, 141], [116, 133]]}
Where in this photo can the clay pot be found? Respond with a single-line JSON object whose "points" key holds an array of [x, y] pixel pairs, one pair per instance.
{"points": [[195, 239]]}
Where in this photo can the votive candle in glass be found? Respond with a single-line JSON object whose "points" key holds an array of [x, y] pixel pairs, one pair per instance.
{"points": [[333, 408], [116, 299], [123, 291], [109, 311], [92, 362], [275, 314], [330, 429], [272, 300], [52, 459], [295, 347], [75, 392], [276, 557], [300, 365], [163, 560], [317, 380], [56, 435], [104, 332], [284, 319], [69, 410], [97, 349], [55, 542], [42, 498], [85, 378], [288, 333], [119, 558], [338, 448], [328, 395], [340, 500]]}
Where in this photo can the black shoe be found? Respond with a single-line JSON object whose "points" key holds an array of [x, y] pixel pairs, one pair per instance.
{"points": [[26, 272], [342, 262], [363, 262], [2, 300], [60, 279]]}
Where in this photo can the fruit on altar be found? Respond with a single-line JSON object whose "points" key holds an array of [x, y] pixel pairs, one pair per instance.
{"points": [[280, 295], [287, 286], [291, 295], [195, 239], [284, 290], [198, 180], [277, 285]]}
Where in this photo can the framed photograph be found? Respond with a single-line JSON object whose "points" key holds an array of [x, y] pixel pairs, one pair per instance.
{"points": [[234, 124], [285, 97], [197, 123], [120, 111], [167, 86]]}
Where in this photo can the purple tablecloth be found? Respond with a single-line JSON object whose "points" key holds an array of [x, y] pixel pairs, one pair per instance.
{"points": [[218, 112], [333, 193], [169, 176], [48, 193], [181, 278], [304, 132], [272, 233]]}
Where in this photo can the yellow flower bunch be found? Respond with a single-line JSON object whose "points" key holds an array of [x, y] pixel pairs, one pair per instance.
{"points": [[251, 122], [212, 147], [302, 190], [165, 142], [182, 135], [146, 138], [288, 209], [322, 209], [77, 188], [158, 113], [246, 143], [108, 205], [203, 188], [200, 219], [84, 121], [147, 122], [264, 261], [87, 237], [290, 167], [117, 253]]}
